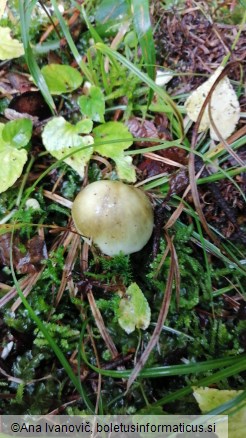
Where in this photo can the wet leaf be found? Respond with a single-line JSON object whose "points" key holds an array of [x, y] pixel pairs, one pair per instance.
{"points": [[151, 167], [36, 251], [178, 182], [134, 310], [17, 132], [111, 132], [211, 398], [12, 161], [19, 81], [61, 138], [93, 104], [142, 129], [225, 108], [27, 255], [9, 47], [11, 164], [61, 78], [124, 167]]}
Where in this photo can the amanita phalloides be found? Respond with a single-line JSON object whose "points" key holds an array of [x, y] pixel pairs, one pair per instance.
{"points": [[113, 215]]}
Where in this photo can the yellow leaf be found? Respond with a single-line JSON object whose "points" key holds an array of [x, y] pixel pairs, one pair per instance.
{"points": [[211, 398], [225, 108], [9, 47]]}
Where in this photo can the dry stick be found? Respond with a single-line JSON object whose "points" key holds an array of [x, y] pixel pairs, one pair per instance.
{"points": [[238, 134], [30, 280], [26, 284], [69, 263], [57, 198], [84, 267], [161, 318], [62, 408], [11, 378], [101, 326], [12, 291], [175, 215], [156, 157]]}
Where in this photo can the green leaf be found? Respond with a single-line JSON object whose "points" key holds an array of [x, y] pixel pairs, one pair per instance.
{"points": [[12, 162], [134, 310], [211, 398], [84, 126], [61, 138], [61, 78], [17, 132], [13, 136], [119, 139], [111, 132], [93, 105], [9, 47], [125, 169]]}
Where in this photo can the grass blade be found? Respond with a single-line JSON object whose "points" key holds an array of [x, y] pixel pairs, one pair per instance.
{"points": [[237, 367], [71, 44], [143, 28], [165, 371], [25, 9], [177, 122]]}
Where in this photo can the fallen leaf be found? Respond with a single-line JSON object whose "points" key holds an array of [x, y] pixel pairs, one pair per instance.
{"points": [[142, 129], [134, 310], [211, 398], [225, 108], [163, 77], [19, 82], [27, 255]]}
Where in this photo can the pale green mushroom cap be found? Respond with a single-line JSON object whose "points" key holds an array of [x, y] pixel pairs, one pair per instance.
{"points": [[115, 216]]}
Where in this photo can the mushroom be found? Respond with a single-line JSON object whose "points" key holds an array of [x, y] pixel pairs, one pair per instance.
{"points": [[115, 216]]}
